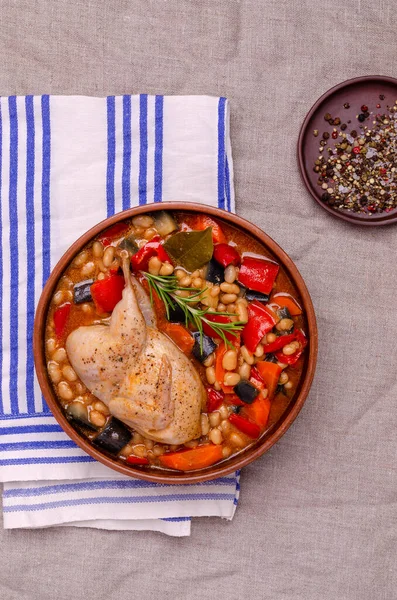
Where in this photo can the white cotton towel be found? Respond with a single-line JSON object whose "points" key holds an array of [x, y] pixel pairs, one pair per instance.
{"points": [[66, 163]]}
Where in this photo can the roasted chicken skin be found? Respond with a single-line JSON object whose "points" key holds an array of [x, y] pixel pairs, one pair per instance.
{"points": [[137, 371]]}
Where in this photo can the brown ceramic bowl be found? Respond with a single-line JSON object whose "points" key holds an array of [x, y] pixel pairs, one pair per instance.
{"points": [[362, 90], [269, 438]]}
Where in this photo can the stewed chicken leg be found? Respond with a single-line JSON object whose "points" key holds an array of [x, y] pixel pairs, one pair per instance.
{"points": [[137, 371]]}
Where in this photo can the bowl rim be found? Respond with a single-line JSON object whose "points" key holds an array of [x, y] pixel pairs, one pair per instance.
{"points": [[236, 462], [382, 219]]}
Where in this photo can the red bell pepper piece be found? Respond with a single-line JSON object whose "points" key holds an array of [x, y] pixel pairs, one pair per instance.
{"points": [[279, 343], [196, 458], [234, 400], [293, 358], [215, 318], [258, 274], [136, 460], [251, 429], [106, 293], [261, 320], [61, 316], [226, 255], [256, 379], [270, 373], [214, 399], [258, 411], [140, 260], [287, 301], [112, 233], [181, 336], [201, 222]]}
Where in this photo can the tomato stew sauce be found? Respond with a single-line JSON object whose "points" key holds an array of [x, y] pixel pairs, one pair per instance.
{"points": [[250, 355]]}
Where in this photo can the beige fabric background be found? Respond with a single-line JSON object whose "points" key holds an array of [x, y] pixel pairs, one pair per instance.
{"points": [[317, 519]]}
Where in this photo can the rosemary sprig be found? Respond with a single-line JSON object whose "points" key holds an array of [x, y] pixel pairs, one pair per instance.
{"points": [[166, 285]]}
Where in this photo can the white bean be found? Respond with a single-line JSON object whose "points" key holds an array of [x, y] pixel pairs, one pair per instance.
{"points": [[108, 256], [247, 355], [143, 221], [289, 349], [236, 440], [166, 269], [231, 379], [242, 312], [149, 233], [230, 288], [224, 411], [205, 426], [259, 351], [229, 360], [54, 372], [284, 324], [226, 451], [209, 361], [230, 274], [58, 297], [154, 265], [158, 450], [185, 281], [97, 249], [98, 405], [97, 418], [64, 391], [245, 371], [216, 436], [80, 259], [228, 298], [210, 374], [215, 291], [214, 418], [283, 378], [59, 355], [88, 269], [69, 373], [51, 345]]}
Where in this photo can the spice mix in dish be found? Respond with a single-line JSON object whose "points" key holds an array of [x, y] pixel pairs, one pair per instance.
{"points": [[358, 172]]}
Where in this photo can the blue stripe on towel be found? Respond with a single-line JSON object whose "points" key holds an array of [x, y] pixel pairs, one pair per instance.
{"points": [[37, 445], [14, 258], [125, 182], [30, 251], [111, 126], [158, 149], [221, 152], [45, 460], [45, 197], [31, 429], [119, 500], [143, 149], [227, 172], [45, 186], [113, 484], [176, 519], [1, 259]]}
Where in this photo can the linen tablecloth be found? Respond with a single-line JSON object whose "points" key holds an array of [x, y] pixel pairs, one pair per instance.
{"points": [[317, 517]]}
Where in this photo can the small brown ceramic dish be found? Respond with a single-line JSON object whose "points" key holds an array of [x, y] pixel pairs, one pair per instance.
{"points": [[281, 421], [376, 92]]}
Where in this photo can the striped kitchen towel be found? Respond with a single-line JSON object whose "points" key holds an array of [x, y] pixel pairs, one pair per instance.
{"points": [[65, 164]]}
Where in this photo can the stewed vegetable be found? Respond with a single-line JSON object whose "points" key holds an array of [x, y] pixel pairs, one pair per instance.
{"points": [[229, 318]]}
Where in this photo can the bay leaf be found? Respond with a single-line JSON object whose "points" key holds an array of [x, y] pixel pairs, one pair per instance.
{"points": [[191, 249]]}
